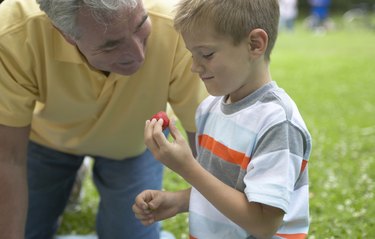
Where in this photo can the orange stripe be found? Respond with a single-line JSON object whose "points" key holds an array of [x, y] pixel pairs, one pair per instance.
{"points": [[293, 236], [223, 151], [191, 237], [303, 165]]}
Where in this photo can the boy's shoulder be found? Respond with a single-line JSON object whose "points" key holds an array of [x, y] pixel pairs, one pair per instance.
{"points": [[210, 100]]}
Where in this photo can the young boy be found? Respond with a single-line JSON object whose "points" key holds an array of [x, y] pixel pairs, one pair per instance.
{"points": [[250, 178]]}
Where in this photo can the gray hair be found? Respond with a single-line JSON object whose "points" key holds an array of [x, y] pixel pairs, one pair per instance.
{"points": [[63, 13]]}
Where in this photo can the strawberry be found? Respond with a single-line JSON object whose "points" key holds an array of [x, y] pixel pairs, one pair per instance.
{"points": [[162, 115]]}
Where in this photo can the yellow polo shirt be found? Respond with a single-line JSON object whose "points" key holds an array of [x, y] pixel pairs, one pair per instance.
{"points": [[45, 82]]}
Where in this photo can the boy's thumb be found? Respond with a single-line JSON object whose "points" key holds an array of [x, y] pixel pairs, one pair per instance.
{"points": [[154, 204]]}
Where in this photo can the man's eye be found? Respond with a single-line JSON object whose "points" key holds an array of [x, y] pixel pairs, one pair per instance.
{"points": [[208, 55], [108, 49]]}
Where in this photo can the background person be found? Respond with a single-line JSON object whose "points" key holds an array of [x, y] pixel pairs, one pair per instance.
{"points": [[288, 14], [319, 10], [250, 178], [79, 78]]}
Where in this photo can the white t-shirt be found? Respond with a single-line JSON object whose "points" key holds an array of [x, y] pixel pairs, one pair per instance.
{"points": [[259, 146]]}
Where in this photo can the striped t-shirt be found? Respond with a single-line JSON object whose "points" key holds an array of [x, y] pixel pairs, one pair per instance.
{"points": [[260, 146]]}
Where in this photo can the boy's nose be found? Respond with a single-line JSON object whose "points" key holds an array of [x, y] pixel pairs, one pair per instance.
{"points": [[196, 67]]}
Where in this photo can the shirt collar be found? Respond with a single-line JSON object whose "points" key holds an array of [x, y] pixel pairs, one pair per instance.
{"points": [[64, 51]]}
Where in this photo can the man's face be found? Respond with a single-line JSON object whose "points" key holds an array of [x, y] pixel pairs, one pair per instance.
{"points": [[117, 47]]}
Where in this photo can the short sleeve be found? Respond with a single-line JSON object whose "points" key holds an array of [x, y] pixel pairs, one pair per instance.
{"points": [[275, 166], [18, 93]]}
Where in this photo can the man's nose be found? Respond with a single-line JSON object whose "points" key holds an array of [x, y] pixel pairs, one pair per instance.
{"points": [[137, 49]]}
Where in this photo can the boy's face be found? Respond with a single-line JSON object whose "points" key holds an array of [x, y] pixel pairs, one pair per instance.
{"points": [[118, 47], [225, 68]]}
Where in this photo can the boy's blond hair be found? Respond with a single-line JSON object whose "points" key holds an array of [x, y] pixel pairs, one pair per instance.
{"points": [[234, 18]]}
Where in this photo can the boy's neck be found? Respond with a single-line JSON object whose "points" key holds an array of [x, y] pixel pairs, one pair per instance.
{"points": [[260, 78]]}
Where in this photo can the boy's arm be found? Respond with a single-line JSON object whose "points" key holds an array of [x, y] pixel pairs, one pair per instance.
{"points": [[13, 181], [155, 205], [259, 220]]}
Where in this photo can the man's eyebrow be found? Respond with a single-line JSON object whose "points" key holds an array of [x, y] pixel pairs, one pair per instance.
{"points": [[115, 42]]}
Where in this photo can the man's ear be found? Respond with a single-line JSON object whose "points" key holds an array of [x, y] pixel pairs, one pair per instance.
{"points": [[257, 42], [66, 37]]}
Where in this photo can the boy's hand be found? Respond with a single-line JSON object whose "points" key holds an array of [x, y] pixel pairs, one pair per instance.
{"points": [[164, 116], [151, 205], [176, 155]]}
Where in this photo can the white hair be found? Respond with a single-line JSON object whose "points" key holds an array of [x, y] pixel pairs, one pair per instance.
{"points": [[63, 13]]}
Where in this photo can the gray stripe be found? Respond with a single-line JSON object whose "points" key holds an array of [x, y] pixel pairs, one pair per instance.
{"points": [[248, 100], [303, 180], [279, 97], [282, 136], [229, 173]]}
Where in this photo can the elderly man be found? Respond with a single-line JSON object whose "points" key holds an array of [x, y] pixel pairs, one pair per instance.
{"points": [[79, 78]]}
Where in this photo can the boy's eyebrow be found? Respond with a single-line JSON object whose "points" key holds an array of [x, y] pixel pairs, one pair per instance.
{"points": [[199, 47]]}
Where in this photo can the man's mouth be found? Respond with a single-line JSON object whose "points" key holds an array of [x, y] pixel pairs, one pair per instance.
{"points": [[206, 77], [127, 63]]}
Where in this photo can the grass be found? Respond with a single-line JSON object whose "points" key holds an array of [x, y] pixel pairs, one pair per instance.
{"points": [[332, 79]]}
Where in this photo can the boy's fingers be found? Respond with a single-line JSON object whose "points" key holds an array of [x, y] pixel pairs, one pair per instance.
{"points": [[148, 135], [142, 207], [158, 135], [145, 220]]}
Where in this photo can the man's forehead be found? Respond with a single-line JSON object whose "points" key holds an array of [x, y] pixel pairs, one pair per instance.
{"points": [[125, 16], [124, 22]]}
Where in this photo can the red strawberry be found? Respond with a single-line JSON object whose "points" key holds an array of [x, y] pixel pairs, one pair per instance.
{"points": [[162, 115]]}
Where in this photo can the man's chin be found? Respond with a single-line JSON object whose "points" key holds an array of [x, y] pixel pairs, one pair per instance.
{"points": [[127, 70]]}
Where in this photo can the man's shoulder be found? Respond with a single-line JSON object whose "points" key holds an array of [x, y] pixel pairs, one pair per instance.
{"points": [[15, 13], [163, 32], [161, 8]]}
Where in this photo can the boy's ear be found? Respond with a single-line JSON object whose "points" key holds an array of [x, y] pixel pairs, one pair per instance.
{"points": [[257, 42]]}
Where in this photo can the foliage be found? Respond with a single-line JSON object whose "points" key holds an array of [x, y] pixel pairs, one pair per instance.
{"points": [[331, 78]]}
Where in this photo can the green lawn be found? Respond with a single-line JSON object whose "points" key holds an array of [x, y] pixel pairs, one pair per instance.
{"points": [[332, 79]]}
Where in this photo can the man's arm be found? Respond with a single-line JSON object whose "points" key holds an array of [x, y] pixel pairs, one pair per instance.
{"points": [[191, 138], [13, 181]]}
